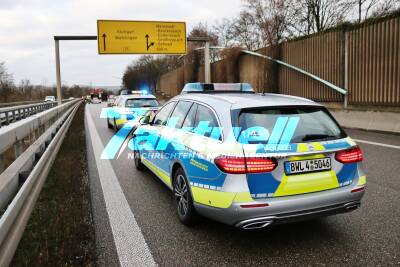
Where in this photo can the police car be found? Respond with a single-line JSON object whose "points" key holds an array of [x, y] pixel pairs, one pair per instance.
{"points": [[248, 159], [130, 108]]}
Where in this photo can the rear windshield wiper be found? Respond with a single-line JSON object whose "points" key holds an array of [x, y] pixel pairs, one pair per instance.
{"points": [[311, 137]]}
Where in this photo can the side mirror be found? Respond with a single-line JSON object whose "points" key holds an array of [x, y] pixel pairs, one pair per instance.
{"points": [[145, 120]]}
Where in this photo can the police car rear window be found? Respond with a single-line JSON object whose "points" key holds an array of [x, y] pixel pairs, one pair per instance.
{"points": [[141, 103], [283, 125]]}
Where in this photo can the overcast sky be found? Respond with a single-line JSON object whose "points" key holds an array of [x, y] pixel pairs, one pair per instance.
{"points": [[27, 29]]}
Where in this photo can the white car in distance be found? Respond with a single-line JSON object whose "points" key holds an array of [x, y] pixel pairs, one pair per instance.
{"points": [[49, 98]]}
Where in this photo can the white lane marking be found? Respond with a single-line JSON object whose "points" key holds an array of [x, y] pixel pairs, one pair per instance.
{"points": [[376, 143], [131, 246]]}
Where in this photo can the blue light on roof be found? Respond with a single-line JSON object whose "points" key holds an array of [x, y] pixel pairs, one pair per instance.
{"points": [[191, 87], [217, 87], [144, 89], [247, 87]]}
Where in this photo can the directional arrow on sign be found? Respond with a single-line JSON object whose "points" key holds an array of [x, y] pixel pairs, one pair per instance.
{"points": [[147, 42], [104, 41]]}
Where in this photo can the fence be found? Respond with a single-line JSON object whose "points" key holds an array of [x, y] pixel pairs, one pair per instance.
{"points": [[374, 64], [363, 59], [321, 55]]}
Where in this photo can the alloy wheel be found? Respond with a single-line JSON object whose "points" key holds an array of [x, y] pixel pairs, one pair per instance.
{"points": [[181, 194]]}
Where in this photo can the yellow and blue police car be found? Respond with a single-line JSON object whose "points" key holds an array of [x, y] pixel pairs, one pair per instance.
{"points": [[248, 159], [130, 108]]}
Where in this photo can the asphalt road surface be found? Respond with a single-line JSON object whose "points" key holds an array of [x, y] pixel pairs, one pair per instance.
{"points": [[367, 236]]}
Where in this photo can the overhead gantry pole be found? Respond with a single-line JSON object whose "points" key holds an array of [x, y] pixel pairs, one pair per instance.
{"points": [[57, 51]]}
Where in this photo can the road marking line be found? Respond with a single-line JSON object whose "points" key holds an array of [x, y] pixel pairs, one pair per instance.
{"points": [[131, 246], [376, 143]]}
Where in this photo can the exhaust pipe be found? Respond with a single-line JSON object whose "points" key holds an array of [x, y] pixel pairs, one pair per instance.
{"points": [[352, 206], [256, 225]]}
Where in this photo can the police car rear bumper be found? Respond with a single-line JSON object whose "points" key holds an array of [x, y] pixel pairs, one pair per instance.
{"points": [[286, 209]]}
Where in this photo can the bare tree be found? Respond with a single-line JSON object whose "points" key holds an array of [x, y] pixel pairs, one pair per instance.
{"points": [[6, 83], [245, 32], [25, 87], [324, 14], [223, 29], [146, 71], [272, 18], [365, 9], [360, 4], [383, 8]]}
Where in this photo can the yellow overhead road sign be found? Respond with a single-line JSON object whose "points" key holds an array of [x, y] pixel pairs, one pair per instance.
{"points": [[141, 37]]}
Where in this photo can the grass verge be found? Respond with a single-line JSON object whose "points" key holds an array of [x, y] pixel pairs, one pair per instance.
{"points": [[60, 231]]}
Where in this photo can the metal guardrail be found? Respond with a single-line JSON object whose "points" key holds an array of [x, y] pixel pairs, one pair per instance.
{"points": [[18, 103], [32, 167], [15, 113], [16, 132], [330, 85]]}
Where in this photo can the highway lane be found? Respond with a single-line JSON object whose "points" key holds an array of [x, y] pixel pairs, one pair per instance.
{"points": [[368, 236]]}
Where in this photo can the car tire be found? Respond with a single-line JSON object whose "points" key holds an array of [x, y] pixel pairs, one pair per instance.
{"points": [[115, 126], [183, 199], [138, 162], [109, 124]]}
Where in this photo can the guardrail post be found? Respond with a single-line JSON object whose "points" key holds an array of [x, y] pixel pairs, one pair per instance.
{"points": [[18, 148], [7, 118], [1, 163]]}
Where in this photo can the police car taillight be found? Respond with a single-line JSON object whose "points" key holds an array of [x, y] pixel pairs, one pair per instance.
{"points": [[255, 165], [240, 165], [351, 155], [231, 164]]}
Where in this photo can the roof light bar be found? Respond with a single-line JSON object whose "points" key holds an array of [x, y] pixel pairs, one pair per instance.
{"points": [[217, 88]]}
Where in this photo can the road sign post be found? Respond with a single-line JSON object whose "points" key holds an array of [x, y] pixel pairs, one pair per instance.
{"points": [[207, 64], [141, 37], [207, 61]]}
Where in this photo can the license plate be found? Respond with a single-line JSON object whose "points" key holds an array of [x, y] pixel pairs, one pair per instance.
{"points": [[309, 165]]}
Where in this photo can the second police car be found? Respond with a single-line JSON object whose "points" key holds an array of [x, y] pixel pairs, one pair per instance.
{"points": [[250, 160], [130, 108]]}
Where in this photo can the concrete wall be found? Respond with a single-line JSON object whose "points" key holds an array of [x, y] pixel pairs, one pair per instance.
{"points": [[368, 120], [172, 82]]}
